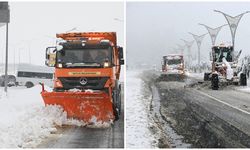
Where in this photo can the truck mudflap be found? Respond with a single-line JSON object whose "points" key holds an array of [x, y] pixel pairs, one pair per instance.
{"points": [[90, 107]]}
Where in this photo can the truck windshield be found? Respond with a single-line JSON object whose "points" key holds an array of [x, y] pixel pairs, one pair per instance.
{"points": [[222, 52], [173, 61], [88, 57]]}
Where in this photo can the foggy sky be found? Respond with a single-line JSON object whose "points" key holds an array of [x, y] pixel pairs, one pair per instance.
{"points": [[153, 28], [33, 25]]}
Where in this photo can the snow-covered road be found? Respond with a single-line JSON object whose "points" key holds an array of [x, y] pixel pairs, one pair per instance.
{"points": [[25, 122], [138, 134]]}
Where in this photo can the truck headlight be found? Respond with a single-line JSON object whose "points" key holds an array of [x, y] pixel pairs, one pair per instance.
{"points": [[106, 64], [59, 65]]}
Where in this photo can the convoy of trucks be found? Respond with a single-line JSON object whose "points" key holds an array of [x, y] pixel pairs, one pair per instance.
{"points": [[225, 69]]}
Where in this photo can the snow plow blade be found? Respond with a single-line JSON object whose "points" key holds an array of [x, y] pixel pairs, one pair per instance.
{"points": [[172, 77], [89, 107]]}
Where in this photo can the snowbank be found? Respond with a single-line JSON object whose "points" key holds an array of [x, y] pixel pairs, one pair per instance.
{"points": [[245, 88], [25, 122], [137, 130], [195, 75]]}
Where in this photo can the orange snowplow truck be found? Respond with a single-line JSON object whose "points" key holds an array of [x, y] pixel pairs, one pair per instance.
{"points": [[86, 80]]}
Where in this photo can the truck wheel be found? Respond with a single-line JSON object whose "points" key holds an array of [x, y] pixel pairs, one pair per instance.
{"points": [[115, 113], [119, 100], [206, 76], [29, 84], [118, 95], [243, 79], [215, 82], [116, 100]]}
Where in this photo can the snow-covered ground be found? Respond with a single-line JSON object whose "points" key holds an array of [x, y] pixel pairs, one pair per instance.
{"points": [[245, 88], [138, 134], [200, 76], [25, 122]]}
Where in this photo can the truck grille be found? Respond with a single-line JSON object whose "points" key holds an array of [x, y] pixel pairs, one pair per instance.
{"points": [[95, 83]]}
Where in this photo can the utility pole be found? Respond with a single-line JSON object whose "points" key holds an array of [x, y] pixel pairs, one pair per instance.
{"points": [[14, 55], [19, 56], [6, 58], [5, 18]]}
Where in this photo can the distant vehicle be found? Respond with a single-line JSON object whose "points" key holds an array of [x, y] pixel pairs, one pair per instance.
{"points": [[33, 75], [173, 68], [11, 80]]}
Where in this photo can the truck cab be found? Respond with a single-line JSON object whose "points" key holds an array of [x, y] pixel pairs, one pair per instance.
{"points": [[221, 51], [173, 63], [87, 70], [85, 64], [224, 67], [173, 68]]}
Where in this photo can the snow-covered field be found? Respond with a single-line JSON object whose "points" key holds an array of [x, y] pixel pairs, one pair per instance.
{"points": [[137, 131], [25, 122]]}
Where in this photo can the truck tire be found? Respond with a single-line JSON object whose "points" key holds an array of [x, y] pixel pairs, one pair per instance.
{"points": [[29, 84], [116, 100], [115, 113], [215, 82], [206, 76], [243, 79], [119, 105]]}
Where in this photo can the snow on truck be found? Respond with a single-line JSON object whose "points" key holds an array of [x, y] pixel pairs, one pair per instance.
{"points": [[173, 67], [87, 70], [225, 67]]}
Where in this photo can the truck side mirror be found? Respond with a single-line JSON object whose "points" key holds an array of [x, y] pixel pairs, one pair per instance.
{"points": [[120, 55], [121, 61], [50, 56]]}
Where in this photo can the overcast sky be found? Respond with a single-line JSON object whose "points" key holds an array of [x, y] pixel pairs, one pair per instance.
{"points": [[33, 25], [154, 27]]}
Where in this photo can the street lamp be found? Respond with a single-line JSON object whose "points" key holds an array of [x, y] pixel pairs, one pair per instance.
{"points": [[213, 32], [188, 45], [198, 39], [233, 23], [181, 48]]}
